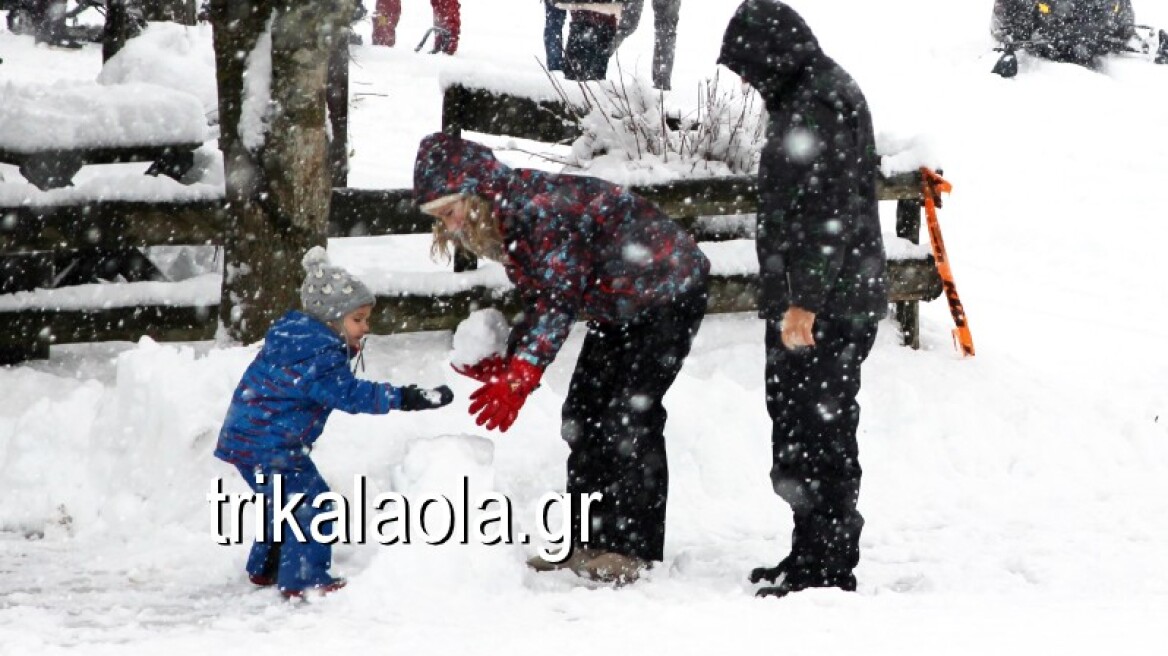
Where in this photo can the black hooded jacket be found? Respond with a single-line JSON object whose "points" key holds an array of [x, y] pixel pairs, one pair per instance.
{"points": [[819, 243]]}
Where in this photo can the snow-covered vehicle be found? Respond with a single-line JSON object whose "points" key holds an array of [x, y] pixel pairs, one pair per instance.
{"points": [[1078, 31]]}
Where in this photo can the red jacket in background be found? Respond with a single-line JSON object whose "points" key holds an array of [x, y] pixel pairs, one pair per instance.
{"points": [[446, 16]]}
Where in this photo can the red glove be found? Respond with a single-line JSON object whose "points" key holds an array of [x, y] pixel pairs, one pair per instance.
{"points": [[484, 370], [497, 403]]}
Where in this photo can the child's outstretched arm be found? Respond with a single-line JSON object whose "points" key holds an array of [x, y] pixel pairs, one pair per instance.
{"points": [[334, 386]]}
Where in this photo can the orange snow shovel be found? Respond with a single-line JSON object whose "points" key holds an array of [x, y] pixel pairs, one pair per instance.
{"points": [[932, 186]]}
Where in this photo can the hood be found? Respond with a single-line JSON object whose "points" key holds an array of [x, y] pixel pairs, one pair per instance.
{"points": [[296, 337], [768, 45], [448, 165]]}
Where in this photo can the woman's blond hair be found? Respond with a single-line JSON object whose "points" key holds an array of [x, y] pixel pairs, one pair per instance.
{"points": [[479, 235]]}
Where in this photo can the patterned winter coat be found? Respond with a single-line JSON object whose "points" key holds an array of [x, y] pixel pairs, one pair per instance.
{"points": [[284, 398], [576, 245]]}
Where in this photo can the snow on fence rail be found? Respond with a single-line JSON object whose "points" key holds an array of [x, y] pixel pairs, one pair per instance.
{"points": [[51, 131], [713, 209], [30, 229]]}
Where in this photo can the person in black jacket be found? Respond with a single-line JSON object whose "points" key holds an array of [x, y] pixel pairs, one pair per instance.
{"points": [[822, 278]]}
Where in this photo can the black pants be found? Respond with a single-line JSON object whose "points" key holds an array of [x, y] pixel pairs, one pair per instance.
{"points": [[590, 36], [811, 397], [553, 35], [614, 424]]}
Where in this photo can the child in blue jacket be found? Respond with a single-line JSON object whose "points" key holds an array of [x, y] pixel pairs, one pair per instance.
{"points": [[280, 407]]}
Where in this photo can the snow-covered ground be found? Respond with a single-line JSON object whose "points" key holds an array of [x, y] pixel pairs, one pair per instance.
{"points": [[1017, 502]]}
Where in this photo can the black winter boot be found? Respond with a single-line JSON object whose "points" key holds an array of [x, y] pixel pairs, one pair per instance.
{"points": [[769, 574], [795, 581]]}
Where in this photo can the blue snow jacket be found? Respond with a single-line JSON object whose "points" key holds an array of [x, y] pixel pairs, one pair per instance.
{"points": [[284, 398], [577, 246]]}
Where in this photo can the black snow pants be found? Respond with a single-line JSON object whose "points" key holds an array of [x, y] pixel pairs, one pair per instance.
{"points": [[811, 398], [590, 36], [614, 423]]}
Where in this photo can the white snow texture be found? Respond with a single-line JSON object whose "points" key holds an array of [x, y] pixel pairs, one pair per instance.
{"points": [[1016, 502]]}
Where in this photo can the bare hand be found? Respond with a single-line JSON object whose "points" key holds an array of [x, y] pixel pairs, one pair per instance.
{"points": [[797, 328]]}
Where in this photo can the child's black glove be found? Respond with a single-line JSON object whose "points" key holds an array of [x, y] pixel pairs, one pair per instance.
{"points": [[416, 398]]}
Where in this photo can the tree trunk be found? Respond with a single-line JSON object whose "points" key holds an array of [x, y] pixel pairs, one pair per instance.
{"points": [[277, 193]]}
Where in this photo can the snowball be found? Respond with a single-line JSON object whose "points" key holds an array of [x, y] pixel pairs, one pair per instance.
{"points": [[482, 334], [437, 466]]}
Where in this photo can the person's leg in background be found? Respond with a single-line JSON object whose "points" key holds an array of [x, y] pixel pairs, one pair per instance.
{"points": [[553, 35], [447, 15], [590, 36], [629, 20], [385, 19], [665, 15]]}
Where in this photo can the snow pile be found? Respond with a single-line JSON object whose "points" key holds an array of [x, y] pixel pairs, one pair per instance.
{"points": [[445, 481], [901, 153], [70, 115], [529, 81], [169, 55], [207, 170], [122, 457], [626, 137]]}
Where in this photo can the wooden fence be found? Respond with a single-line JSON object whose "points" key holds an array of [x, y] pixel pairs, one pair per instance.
{"points": [[27, 231]]}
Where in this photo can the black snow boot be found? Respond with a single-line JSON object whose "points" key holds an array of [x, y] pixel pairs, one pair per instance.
{"points": [[769, 574], [794, 581]]}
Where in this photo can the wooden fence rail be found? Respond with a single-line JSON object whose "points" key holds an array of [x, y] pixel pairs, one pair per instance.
{"points": [[355, 212], [28, 333], [28, 231]]}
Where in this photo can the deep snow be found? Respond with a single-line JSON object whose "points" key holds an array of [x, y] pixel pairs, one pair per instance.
{"points": [[1017, 502]]}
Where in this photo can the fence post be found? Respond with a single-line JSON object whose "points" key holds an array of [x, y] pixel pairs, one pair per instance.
{"points": [[908, 313]]}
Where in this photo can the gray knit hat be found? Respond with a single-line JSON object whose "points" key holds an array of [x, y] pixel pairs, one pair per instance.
{"points": [[329, 292]]}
